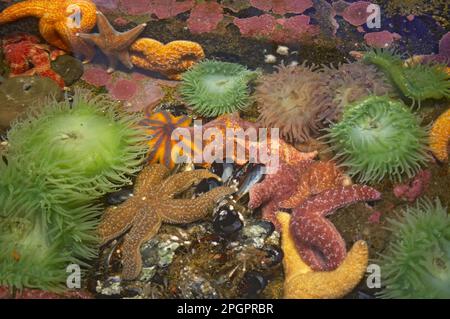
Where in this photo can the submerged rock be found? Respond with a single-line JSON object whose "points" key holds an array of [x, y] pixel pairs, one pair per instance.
{"points": [[69, 68], [21, 93]]}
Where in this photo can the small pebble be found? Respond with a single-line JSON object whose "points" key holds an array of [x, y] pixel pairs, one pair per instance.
{"points": [[270, 58]]}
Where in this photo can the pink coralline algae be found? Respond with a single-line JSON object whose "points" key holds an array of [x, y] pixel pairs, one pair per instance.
{"points": [[205, 17], [283, 30], [41, 294], [382, 39], [96, 76], [415, 188], [137, 91], [136, 7], [260, 26], [163, 9], [107, 6], [282, 6], [123, 90], [356, 13]]}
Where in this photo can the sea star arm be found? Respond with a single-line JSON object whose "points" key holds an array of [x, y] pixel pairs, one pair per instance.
{"points": [[23, 9], [309, 227], [319, 243], [181, 211], [178, 183], [49, 33], [149, 178], [319, 177], [303, 283], [327, 202], [145, 225], [74, 43], [124, 58], [117, 220]]}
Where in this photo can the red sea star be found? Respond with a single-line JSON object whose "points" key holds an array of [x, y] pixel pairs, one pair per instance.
{"points": [[317, 239], [277, 187], [319, 177]]}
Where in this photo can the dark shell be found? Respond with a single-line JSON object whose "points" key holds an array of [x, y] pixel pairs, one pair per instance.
{"points": [[119, 197], [206, 185], [225, 170], [274, 256], [253, 284], [227, 222]]}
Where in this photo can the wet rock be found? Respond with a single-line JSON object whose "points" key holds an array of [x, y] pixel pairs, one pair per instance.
{"points": [[69, 68], [160, 250], [194, 286], [21, 93], [257, 232], [110, 287]]}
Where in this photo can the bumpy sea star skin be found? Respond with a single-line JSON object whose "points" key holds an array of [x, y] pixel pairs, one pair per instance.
{"points": [[439, 136], [152, 205], [113, 44], [57, 21], [171, 59], [27, 57], [301, 282], [276, 188], [159, 128], [312, 232], [284, 151], [320, 176]]}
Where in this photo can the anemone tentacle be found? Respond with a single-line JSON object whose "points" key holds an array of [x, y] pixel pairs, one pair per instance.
{"points": [[379, 137], [215, 88], [417, 261]]}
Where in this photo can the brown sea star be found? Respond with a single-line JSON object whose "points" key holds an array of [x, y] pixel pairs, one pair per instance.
{"points": [[113, 44], [153, 204]]}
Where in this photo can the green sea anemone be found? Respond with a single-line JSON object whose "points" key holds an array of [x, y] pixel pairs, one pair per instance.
{"points": [[417, 261], [418, 82], [27, 257], [88, 146], [61, 159], [214, 88], [377, 137]]}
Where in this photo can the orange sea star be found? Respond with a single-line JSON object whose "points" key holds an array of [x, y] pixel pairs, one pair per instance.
{"points": [[59, 21], [440, 135], [113, 44], [159, 128], [301, 282], [171, 59]]}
